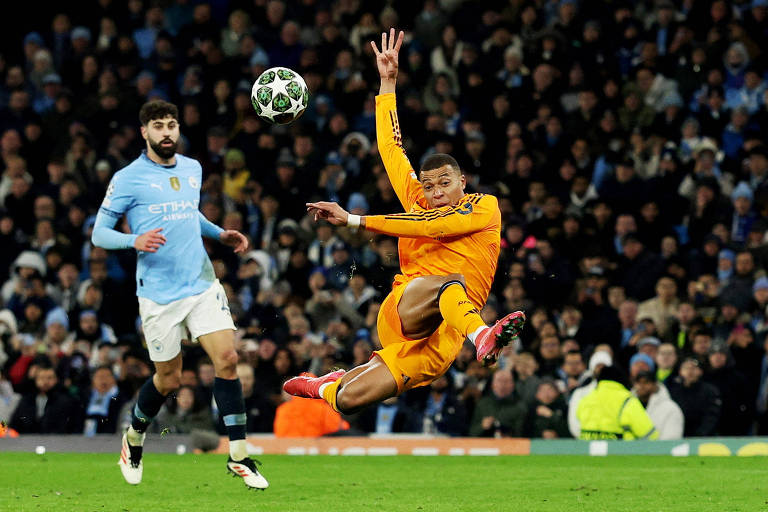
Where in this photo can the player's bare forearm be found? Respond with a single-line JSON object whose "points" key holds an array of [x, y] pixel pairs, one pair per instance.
{"points": [[388, 86]]}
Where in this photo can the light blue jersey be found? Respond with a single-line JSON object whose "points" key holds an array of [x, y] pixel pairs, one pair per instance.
{"points": [[156, 196]]}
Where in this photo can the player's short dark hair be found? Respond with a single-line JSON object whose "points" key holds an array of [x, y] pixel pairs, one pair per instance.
{"points": [[157, 109], [438, 160]]}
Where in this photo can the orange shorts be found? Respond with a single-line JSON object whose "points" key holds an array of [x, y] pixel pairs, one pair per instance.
{"points": [[414, 363]]}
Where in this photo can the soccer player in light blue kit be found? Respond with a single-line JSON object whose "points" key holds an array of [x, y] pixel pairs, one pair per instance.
{"points": [[159, 192]]}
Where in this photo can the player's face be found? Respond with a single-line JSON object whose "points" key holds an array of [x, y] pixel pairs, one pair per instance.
{"points": [[443, 186], [162, 136]]}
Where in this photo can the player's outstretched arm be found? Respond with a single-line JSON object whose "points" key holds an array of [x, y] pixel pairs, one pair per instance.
{"points": [[234, 239], [228, 237], [207, 228], [473, 215], [106, 236], [388, 136]]}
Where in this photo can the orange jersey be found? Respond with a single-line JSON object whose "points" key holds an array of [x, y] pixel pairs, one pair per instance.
{"points": [[464, 238]]}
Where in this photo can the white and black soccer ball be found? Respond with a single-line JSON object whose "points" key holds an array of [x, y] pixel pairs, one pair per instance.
{"points": [[279, 95]]}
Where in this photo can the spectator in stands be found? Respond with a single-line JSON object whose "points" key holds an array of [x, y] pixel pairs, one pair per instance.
{"points": [[600, 358], [736, 412], [104, 403], [663, 411], [547, 417], [9, 399], [526, 380], [662, 307], [443, 412], [666, 361], [48, 409], [700, 401], [183, 415], [502, 413], [611, 412], [259, 411], [572, 373]]}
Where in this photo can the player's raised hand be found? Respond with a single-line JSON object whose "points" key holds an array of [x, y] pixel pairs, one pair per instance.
{"points": [[386, 59], [234, 239], [149, 241], [331, 212]]}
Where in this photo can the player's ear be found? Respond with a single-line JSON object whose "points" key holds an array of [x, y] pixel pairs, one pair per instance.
{"points": [[463, 182], [144, 132]]}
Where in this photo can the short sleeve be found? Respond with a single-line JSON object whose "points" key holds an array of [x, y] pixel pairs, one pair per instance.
{"points": [[118, 198]]}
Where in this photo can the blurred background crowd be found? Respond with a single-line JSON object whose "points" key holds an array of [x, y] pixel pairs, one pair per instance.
{"points": [[624, 140]]}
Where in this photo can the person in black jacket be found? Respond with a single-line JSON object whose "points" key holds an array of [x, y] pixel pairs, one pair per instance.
{"points": [[641, 268], [48, 409], [737, 410], [699, 400], [548, 415], [260, 412]]}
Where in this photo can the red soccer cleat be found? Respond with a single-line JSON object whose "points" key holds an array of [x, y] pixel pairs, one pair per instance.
{"points": [[308, 386], [490, 342]]}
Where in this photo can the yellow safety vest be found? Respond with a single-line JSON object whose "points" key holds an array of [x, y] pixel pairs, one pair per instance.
{"points": [[611, 412]]}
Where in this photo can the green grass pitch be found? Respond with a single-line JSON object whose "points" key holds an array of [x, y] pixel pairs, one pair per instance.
{"points": [[196, 483]]}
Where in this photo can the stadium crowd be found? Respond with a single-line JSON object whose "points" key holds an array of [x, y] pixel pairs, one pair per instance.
{"points": [[624, 140]]}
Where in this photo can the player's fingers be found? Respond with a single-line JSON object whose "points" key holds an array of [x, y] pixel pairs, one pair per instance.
{"points": [[399, 42], [383, 41], [375, 50], [156, 230], [392, 38]]}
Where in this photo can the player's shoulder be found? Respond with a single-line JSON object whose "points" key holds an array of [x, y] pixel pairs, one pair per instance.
{"points": [[129, 172], [185, 162], [480, 199]]}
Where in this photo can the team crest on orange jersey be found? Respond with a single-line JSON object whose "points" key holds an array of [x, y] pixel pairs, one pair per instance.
{"points": [[175, 183]]}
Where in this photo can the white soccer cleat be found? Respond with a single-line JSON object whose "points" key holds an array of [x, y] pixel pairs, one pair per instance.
{"points": [[130, 462], [246, 469]]}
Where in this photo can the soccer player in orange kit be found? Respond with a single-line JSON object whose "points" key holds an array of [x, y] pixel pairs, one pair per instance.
{"points": [[431, 309]]}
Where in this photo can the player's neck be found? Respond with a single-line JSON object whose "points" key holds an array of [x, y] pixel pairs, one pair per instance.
{"points": [[159, 160]]}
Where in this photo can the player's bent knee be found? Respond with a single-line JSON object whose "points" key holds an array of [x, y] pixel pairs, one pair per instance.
{"points": [[227, 362], [169, 382]]}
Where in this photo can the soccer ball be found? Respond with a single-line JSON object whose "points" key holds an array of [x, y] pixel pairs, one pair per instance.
{"points": [[279, 95]]}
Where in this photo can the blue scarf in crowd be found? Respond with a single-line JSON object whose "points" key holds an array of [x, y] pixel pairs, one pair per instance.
{"points": [[98, 405]]}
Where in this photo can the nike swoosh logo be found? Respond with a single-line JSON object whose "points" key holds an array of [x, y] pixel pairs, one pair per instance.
{"points": [[155, 185]]}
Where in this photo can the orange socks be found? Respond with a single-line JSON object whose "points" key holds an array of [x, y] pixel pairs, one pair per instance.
{"points": [[457, 310], [329, 393]]}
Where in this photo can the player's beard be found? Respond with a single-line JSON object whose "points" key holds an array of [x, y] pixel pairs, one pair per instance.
{"points": [[164, 152]]}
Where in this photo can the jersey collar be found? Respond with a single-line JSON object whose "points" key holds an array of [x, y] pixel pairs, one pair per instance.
{"points": [[149, 160]]}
